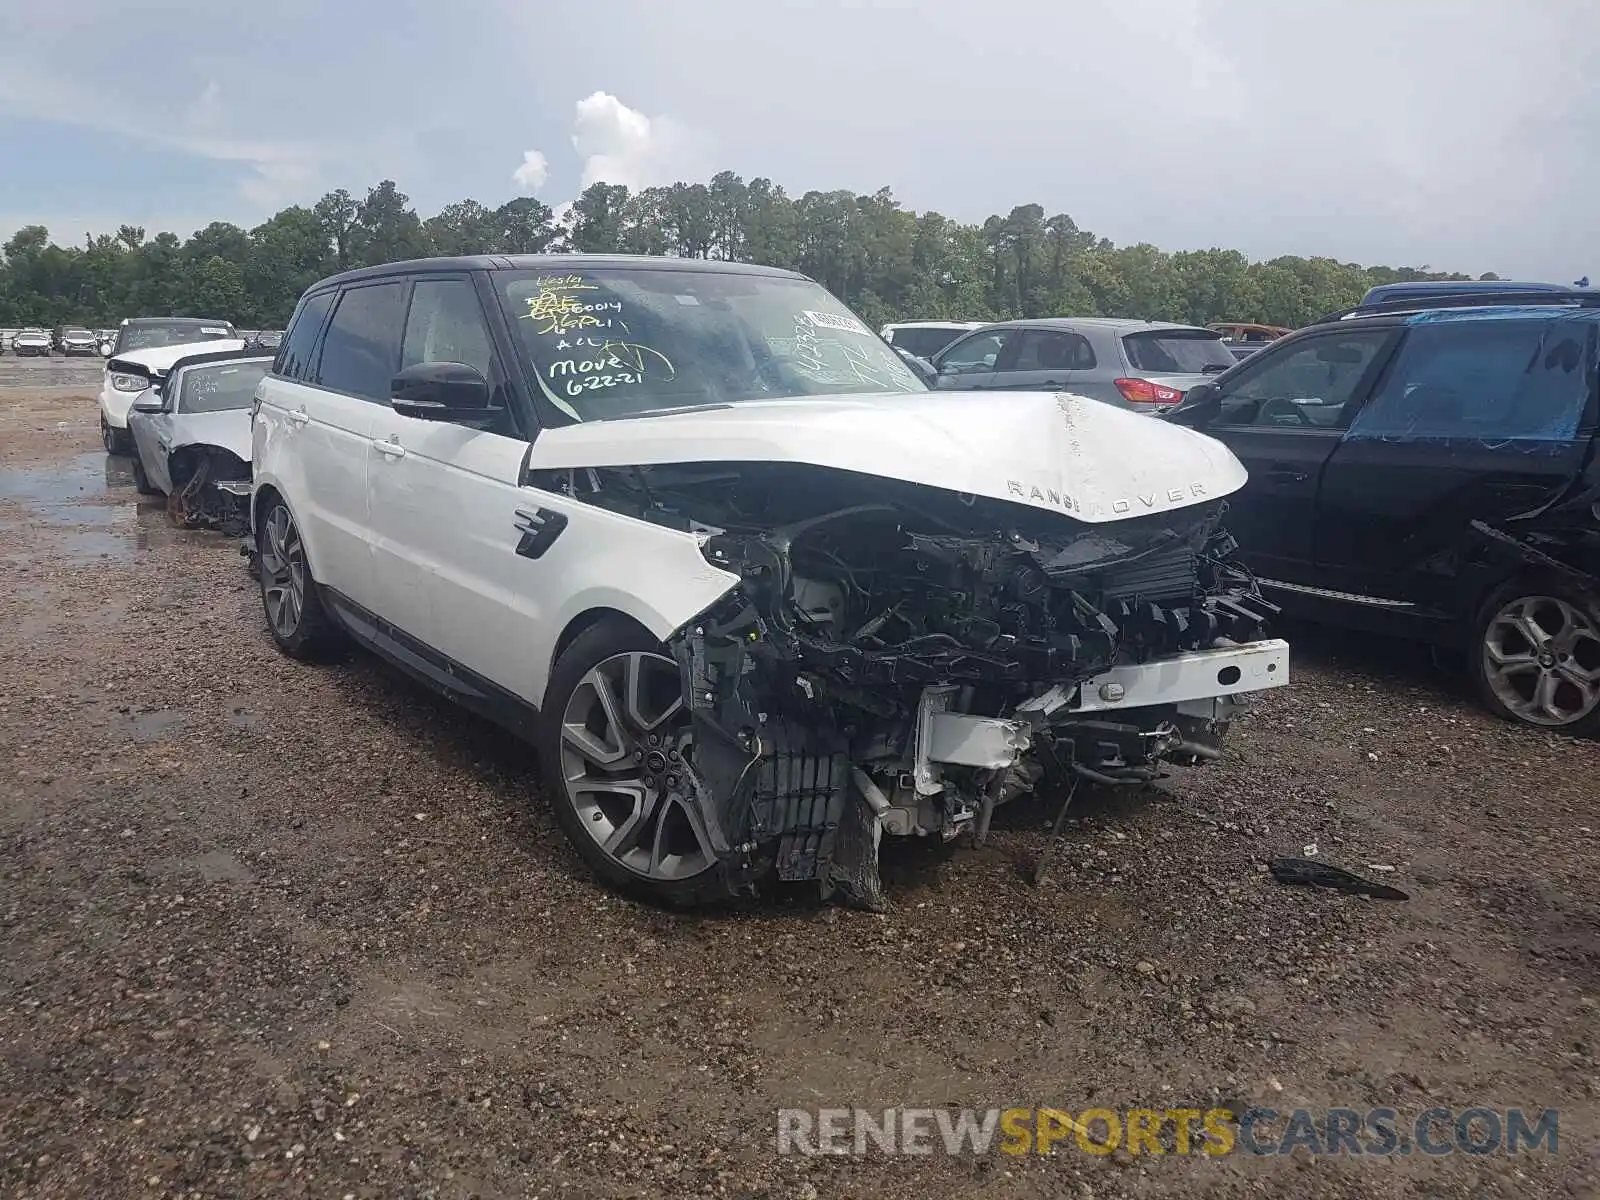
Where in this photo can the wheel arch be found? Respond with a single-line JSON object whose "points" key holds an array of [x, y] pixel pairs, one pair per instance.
{"points": [[578, 625], [263, 495]]}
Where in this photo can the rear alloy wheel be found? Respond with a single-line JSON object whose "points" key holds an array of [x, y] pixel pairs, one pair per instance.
{"points": [[295, 616], [1539, 657], [617, 754]]}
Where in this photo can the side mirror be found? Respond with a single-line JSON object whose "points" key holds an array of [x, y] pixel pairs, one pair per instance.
{"points": [[1198, 408], [441, 391]]}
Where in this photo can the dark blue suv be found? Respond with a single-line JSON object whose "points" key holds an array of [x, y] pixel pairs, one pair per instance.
{"points": [[1433, 472]]}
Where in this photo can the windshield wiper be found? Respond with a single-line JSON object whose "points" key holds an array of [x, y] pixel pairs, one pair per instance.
{"points": [[1214, 368]]}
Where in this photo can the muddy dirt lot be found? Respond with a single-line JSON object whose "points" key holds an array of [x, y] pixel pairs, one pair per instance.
{"points": [[277, 930]]}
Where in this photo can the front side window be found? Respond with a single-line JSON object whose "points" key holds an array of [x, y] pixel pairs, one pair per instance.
{"points": [[1308, 385], [607, 342], [219, 387], [446, 324], [978, 352], [361, 350], [1492, 381], [295, 354]]}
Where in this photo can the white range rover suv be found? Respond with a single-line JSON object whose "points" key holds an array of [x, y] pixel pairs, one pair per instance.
{"points": [[758, 596]]}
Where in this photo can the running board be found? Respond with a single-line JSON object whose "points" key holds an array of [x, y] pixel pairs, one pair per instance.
{"points": [[1330, 594]]}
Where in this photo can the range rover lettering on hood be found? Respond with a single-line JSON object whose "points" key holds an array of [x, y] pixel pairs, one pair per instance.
{"points": [[1119, 506]]}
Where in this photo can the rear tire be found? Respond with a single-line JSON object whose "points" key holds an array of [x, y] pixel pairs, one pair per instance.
{"points": [[1536, 655], [612, 741], [296, 618]]}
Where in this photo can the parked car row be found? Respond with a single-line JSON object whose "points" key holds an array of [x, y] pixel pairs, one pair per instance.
{"points": [[75, 341]]}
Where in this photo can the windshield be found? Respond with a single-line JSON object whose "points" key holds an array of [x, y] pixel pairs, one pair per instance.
{"points": [[616, 342], [77, 333], [220, 387], [177, 333], [1177, 351]]}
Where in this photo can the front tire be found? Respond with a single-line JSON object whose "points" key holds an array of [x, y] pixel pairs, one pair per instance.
{"points": [[116, 441], [1536, 655], [296, 618], [614, 750], [141, 480]]}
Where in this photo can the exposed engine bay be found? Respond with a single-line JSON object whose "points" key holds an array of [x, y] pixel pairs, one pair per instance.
{"points": [[902, 659], [210, 489]]}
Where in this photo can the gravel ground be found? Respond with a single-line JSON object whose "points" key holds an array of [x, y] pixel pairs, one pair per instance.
{"points": [[270, 929]]}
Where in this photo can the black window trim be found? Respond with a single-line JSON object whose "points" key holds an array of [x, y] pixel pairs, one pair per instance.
{"points": [[521, 388], [1264, 358], [306, 300]]}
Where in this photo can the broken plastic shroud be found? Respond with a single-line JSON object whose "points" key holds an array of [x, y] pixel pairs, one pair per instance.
{"points": [[906, 586]]}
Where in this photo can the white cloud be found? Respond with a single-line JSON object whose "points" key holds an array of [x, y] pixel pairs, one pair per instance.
{"points": [[533, 172], [619, 144]]}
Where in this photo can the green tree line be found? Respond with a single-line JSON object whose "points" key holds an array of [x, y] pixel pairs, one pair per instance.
{"points": [[887, 262]]}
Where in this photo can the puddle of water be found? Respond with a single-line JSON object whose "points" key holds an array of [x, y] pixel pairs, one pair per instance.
{"points": [[85, 477], [85, 544], [68, 494]]}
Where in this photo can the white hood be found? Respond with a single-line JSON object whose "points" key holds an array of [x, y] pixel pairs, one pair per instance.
{"points": [[161, 358], [1054, 451], [229, 429]]}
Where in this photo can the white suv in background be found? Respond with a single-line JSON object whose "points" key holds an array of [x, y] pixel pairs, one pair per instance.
{"points": [[924, 339], [758, 596], [129, 372]]}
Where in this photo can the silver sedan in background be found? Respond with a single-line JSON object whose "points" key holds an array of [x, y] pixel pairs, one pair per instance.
{"points": [[191, 437], [1143, 365]]}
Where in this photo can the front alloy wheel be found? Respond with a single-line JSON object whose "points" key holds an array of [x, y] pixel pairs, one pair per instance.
{"points": [[625, 755], [1541, 660]]}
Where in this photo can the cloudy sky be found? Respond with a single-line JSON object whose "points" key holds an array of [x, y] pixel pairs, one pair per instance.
{"points": [[1452, 133]]}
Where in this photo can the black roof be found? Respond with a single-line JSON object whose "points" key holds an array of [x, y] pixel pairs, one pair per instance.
{"points": [[1410, 306], [549, 262]]}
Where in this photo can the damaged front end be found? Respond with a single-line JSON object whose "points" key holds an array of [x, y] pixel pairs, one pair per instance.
{"points": [[210, 489], [900, 659]]}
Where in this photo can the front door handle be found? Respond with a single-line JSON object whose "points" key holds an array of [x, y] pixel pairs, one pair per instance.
{"points": [[1287, 475], [299, 416], [390, 447]]}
